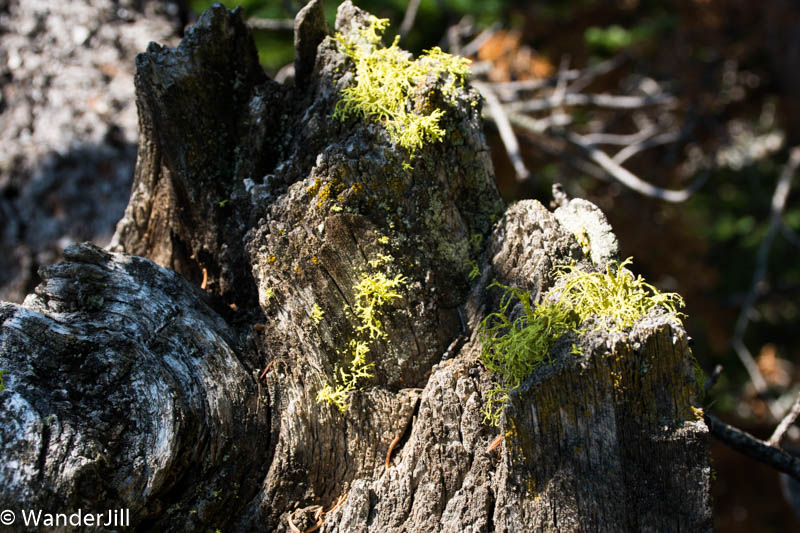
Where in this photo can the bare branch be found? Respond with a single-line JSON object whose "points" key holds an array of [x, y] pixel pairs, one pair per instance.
{"points": [[752, 369], [783, 427], [752, 447], [504, 127], [589, 74], [609, 101], [778, 205], [554, 146], [409, 18], [472, 47], [540, 125], [630, 180], [657, 140], [510, 90], [270, 24], [561, 85], [713, 378], [620, 140]]}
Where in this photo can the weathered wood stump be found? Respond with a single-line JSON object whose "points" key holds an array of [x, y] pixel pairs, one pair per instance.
{"points": [[304, 243]]}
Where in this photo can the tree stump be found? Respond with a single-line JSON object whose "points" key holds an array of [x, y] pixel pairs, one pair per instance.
{"points": [[303, 243]]}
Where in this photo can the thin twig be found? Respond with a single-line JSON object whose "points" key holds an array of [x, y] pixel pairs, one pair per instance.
{"points": [[472, 47], [389, 451], [751, 366], [409, 18], [609, 101], [539, 126], [756, 286], [783, 427], [510, 90], [752, 447], [504, 127], [633, 149], [620, 139], [270, 24], [589, 74], [712, 379], [560, 91], [553, 146], [630, 180]]}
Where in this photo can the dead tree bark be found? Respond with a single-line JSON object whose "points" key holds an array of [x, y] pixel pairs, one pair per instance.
{"points": [[127, 386]]}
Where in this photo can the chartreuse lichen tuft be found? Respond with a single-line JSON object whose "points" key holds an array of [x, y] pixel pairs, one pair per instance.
{"points": [[387, 86], [317, 314], [512, 349], [615, 295], [372, 292]]}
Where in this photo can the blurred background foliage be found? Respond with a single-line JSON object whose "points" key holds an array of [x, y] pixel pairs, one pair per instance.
{"points": [[732, 64]]}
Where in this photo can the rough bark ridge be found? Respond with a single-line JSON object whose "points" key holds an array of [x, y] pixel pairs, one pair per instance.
{"points": [[291, 214]]}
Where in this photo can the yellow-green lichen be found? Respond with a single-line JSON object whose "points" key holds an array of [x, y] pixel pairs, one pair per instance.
{"points": [[387, 86], [372, 292], [616, 295], [513, 348], [346, 381], [316, 314], [474, 270]]}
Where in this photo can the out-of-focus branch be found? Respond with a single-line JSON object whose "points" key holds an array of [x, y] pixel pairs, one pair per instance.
{"points": [[512, 90], [629, 179], [539, 126], [588, 75], [645, 144], [560, 91], [620, 139], [752, 447], [472, 47], [409, 18], [565, 83], [776, 211], [713, 378], [783, 427], [609, 101], [504, 127], [271, 24], [553, 146]]}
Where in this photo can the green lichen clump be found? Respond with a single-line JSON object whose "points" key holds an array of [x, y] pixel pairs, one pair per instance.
{"points": [[347, 379], [614, 295], [372, 292], [388, 82], [317, 314], [512, 349]]}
